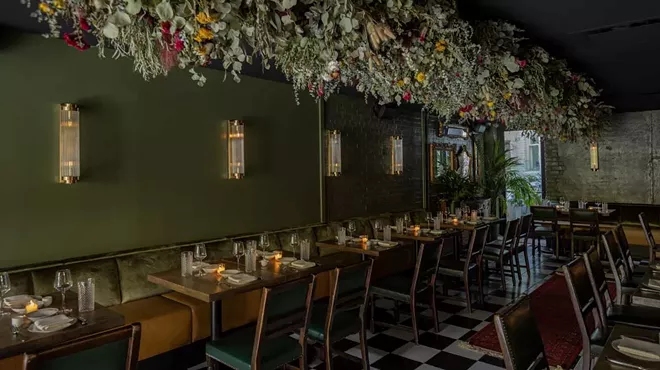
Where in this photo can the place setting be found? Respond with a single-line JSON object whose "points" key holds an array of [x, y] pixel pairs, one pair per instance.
{"points": [[644, 352]]}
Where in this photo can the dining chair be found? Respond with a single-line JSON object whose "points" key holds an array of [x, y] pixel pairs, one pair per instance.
{"points": [[407, 288], [470, 268], [632, 271], [520, 338], [114, 349], [524, 231], [650, 239], [618, 267], [615, 313], [584, 227], [501, 251], [584, 307], [545, 225], [344, 312], [283, 310]]}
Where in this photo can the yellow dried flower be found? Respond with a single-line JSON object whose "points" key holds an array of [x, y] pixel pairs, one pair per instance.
{"points": [[420, 77], [490, 104], [400, 83], [204, 18], [461, 114], [203, 34], [493, 114], [46, 9], [59, 4], [507, 96], [441, 46]]}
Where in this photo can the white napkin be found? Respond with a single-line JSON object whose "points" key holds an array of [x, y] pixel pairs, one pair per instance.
{"points": [[640, 348], [53, 322], [241, 278], [654, 283], [302, 264], [387, 244]]}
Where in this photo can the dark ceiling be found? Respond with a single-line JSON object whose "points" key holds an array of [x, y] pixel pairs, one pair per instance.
{"points": [[617, 42]]}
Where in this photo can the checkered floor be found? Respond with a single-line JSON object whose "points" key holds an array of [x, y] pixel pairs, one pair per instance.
{"points": [[394, 348]]}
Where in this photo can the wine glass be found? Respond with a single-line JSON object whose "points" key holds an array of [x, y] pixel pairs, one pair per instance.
{"points": [[294, 243], [351, 228], [63, 282], [200, 254], [238, 251], [264, 241], [406, 220], [5, 287], [429, 218], [378, 225]]}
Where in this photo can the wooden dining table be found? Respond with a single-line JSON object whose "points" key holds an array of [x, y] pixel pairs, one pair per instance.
{"points": [[213, 289], [364, 249], [27, 342], [610, 355]]}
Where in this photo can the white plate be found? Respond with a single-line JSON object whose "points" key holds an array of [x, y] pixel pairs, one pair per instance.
{"points": [[302, 265], [210, 268], [245, 279], [40, 314], [387, 244], [287, 260], [22, 300], [33, 329], [230, 272], [639, 344]]}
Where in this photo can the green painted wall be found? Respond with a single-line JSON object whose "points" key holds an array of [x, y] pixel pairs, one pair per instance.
{"points": [[152, 156]]}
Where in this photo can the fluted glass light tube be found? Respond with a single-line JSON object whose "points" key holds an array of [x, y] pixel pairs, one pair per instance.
{"points": [[334, 152], [593, 154], [396, 167], [236, 155], [69, 143]]}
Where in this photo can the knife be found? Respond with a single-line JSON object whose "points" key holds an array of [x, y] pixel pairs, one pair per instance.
{"points": [[625, 364]]}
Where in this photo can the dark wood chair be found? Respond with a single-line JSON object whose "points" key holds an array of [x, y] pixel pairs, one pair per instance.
{"points": [[632, 271], [520, 338], [472, 267], [585, 228], [615, 313], [501, 251], [407, 287], [344, 313], [115, 349], [284, 309], [584, 307], [545, 225], [618, 267], [524, 231], [650, 239]]}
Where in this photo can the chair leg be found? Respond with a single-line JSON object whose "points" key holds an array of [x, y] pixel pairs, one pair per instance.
{"points": [[372, 307], [526, 262], [414, 319], [397, 312], [480, 281], [512, 267], [210, 364], [517, 255], [327, 353], [468, 296], [436, 326], [572, 247], [302, 361], [363, 347], [502, 273]]}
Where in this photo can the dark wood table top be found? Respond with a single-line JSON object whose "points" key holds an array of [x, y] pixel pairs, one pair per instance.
{"points": [[26, 342], [208, 287], [421, 237], [610, 352], [565, 211], [359, 248], [462, 225]]}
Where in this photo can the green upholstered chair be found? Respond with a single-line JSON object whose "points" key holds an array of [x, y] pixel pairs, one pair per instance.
{"points": [[407, 287], [284, 309], [344, 312], [501, 251], [115, 349], [584, 228], [545, 225], [468, 269]]}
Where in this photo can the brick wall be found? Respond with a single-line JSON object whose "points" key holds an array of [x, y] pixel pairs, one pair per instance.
{"points": [[365, 188], [629, 171]]}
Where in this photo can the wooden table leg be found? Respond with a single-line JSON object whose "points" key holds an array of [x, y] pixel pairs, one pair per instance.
{"points": [[216, 320]]}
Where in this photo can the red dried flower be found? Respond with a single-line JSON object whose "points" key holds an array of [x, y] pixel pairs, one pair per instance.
{"points": [[522, 63], [83, 24], [76, 41], [407, 95]]}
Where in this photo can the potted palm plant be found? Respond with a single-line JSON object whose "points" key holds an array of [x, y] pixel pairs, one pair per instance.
{"points": [[455, 187]]}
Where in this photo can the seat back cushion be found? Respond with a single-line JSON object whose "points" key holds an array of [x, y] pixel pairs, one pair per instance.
{"points": [[21, 283], [104, 272], [219, 250], [133, 271], [306, 233]]}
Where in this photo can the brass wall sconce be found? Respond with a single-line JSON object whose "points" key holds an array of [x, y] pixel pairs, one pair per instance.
{"points": [[69, 144], [396, 167], [593, 154], [334, 152], [235, 145]]}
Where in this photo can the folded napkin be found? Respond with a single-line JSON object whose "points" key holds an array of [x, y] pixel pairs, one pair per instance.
{"points": [[241, 278], [436, 232], [655, 266], [639, 348], [300, 264], [53, 322], [387, 244], [653, 283], [19, 301]]}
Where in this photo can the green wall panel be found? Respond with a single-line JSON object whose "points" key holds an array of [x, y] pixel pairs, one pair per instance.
{"points": [[153, 158]]}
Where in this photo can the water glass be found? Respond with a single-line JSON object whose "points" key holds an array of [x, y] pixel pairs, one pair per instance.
{"points": [[437, 223], [387, 234], [62, 283], [605, 207], [5, 287], [304, 250], [264, 241], [250, 259], [582, 204], [399, 225], [86, 295], [351, 228], [406, 220], [459, 213], [186, 263], [341, 236], [16, 324], [378, 225], [429, 218], [294, 243]]}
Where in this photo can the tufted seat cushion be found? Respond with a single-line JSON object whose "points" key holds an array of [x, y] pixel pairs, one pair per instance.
{"points": [[166, 324], [200, 314], [134, 268]]}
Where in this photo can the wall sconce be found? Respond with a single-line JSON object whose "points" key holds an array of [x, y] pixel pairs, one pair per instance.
{"points": [[69, 143], [334, 152], [397, 155], [593, 154], [236, 154]]}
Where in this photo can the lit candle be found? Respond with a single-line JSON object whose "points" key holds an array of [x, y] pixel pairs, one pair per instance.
{"points": [[220, 269], [416, 228], [473, 216], [278, 255], [31, 307], [364, 238], [455, 220]]}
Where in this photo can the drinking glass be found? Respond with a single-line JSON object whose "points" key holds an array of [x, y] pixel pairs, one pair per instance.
{"points": [[304, 250], [378, 225], [86, 295], [351, 228], [294, 242], [406, 220], [200, 254], [186, 263], [63, 282], [429, 218], [238, 251], [5, 287], [341, 236], [264, 241]]}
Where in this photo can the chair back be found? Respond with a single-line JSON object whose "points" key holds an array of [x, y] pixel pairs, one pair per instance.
{"points": [[283, 309], [649, 236], [582, 298], [115, 349], [525, 225], [476, 247], [511, 231], [621, 238], [426, 267], [349, 292], [599, 283], [583, 218], [520, 338], [617, 265]]}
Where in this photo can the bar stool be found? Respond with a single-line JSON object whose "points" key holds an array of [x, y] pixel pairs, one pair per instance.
{"points": [[284, 309], [545, 225], [584, 228], [501, 251]]}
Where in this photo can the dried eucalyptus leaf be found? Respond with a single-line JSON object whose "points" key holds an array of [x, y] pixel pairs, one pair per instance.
{"points": [[110, 31], [288, 4], [324, 18], [133, 7], [510, 64], [286, 19], [346, 24], [518, 83], [164, 11]]}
